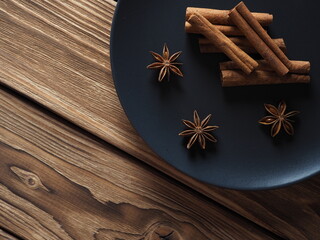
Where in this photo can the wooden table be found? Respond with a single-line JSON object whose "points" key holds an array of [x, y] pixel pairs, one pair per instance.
{"points": [[72, 166]]}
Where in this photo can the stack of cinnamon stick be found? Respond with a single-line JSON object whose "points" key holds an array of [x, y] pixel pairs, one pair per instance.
{"points": [[237, 33]]}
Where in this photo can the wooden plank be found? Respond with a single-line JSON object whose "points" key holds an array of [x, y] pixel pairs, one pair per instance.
{"points": [[61, 60], [291, 212], [58, 182], [6, 236]]}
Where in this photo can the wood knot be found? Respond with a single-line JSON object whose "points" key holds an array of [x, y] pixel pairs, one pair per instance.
{"points": [[30, 179], [163, 232]]}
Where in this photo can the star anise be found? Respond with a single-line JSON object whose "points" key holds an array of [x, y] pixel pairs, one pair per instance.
{"points": [[166, 63], [279, 119], [199, 130]]}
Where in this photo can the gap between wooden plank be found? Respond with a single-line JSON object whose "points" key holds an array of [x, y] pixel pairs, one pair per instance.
{"points": [[7, 235]]}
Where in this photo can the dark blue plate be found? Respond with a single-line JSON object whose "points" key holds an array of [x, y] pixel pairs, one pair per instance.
{"points": [[246, 156]]}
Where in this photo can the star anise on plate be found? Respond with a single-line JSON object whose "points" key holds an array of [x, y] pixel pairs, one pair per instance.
{"points": [[199, 130], [279, 118], [166, 63]]}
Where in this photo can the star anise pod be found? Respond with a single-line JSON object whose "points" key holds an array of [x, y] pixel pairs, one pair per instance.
{"points": [[279, 118], [199, 130], [166, 63]]}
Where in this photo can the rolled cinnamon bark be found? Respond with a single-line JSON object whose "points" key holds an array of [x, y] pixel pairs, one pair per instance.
{"points": [[220, 17], [260, 39], [298, 67], [236, 78], [226, 30], [209, 48], [243, 60], [241, 42]]}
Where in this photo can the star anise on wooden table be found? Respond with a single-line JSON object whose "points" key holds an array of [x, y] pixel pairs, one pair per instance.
{"points": [[279, 118], [199, 130], [166, 63]]}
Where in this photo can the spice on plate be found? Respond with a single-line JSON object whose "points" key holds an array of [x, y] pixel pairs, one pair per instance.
{"points": [[259, 38], [237, 33], [226, 30], [221, 20], [216, 37], [243, 43], [199, 130], [166, 63], [232, 76], [220, 17], [279, 118]]}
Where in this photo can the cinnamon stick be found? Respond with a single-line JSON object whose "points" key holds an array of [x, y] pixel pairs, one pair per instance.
{"points": [[298, 67], [260, 39], [220, 17], [243, 60], [241, 42], [235, 78], [226, 30], [209, 48]]}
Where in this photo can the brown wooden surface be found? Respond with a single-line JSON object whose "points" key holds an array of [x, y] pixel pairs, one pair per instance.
{"points": [[61, 60], [6, 236], [58, 182]]}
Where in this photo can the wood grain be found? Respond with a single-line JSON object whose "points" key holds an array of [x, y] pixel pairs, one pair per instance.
{"points": [[6, 236], [58, 182], [57, 53]]}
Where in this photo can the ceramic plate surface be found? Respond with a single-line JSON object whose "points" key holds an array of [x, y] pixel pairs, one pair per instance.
{"points": [[246, 156]]}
